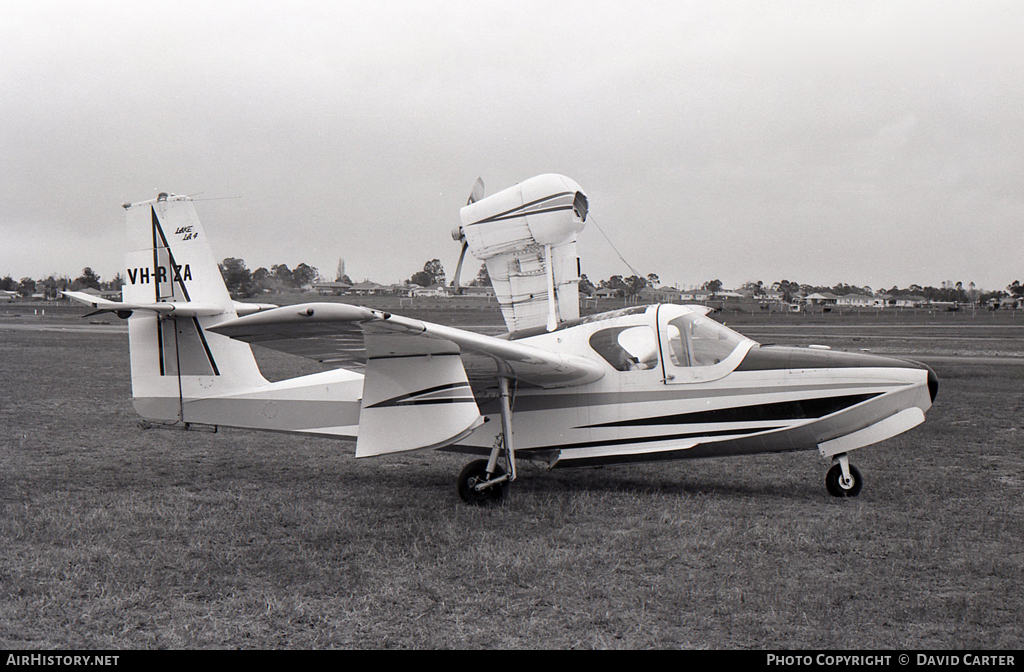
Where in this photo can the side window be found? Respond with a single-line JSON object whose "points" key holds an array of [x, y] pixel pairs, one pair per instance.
{"points": [[678, 346], [697, 341], [627, 348]]}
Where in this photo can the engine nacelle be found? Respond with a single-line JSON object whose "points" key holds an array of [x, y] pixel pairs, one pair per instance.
{"points": [[526, 235], [543, 210]]}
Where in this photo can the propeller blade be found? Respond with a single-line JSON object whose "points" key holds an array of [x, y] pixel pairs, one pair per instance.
{"points": [[477, 193], [458, 269]]}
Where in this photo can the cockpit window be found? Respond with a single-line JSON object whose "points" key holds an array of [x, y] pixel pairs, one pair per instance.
{"points": [[697, 341], [627, 348]]}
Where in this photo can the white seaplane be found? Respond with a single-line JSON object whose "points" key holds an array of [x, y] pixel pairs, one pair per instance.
{"points": [[646, 383]]}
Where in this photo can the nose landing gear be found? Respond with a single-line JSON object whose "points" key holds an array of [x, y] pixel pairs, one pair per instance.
{"points": [[843, 479]]}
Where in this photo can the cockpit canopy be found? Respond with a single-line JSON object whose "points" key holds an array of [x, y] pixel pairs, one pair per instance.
{"points": [[691, 340]]}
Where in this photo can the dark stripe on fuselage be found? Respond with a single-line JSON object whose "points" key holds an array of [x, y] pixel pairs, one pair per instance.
{"points": [[801, 409], [408, 399]]}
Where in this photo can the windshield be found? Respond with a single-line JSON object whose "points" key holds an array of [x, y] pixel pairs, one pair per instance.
{"points": [[695, 340]]}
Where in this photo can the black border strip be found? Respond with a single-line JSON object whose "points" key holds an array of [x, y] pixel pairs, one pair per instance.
{"points": [[801, 409], [504, 215], [407, 399]]}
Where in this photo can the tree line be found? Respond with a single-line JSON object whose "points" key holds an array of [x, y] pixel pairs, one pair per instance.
{"points": [[948, 291], [242, 282], [53, 284]]}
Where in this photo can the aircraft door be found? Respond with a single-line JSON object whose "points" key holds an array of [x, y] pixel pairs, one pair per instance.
{"points": [[695, 348]]}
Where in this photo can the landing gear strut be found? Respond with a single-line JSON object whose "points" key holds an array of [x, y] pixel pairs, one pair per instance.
{"points": [[484, 482], [843, 479]]}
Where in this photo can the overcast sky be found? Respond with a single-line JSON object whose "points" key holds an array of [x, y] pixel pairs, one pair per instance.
{"points": [[873, 143]]}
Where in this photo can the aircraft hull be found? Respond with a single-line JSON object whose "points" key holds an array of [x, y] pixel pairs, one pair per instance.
{"points": [[642, 418]]}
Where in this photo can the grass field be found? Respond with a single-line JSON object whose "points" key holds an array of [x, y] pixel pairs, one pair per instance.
{"points": [[113, 537]]}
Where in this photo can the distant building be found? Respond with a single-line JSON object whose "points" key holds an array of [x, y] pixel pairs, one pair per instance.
{"points": [[433, 290], [821, 299], [908, 301], [855, 301], [661, 295], [474, 290], [336, 288], [695, 296], [367, 288]]}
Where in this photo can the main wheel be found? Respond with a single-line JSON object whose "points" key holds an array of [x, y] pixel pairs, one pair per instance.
{"points": [[836, 486], [476, 472]]}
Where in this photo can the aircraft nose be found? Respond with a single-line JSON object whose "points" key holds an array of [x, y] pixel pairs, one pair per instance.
{"points": [[933, 383]]}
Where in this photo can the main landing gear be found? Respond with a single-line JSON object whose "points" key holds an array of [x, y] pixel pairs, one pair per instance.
{"points": [[484, 482], [843, 479]]}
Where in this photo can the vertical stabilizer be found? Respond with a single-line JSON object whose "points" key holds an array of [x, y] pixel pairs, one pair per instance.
{"points": [[173, 358]]}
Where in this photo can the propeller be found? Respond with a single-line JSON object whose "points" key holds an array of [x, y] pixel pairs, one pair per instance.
{"points": [[462, 257], [474, 196], [477, 193]]}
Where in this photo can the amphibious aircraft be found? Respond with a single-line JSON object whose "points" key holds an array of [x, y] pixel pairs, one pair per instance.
{"points": [[645, 383]]}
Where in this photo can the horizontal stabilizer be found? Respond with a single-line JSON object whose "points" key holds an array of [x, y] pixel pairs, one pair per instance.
{"points": [[177, 308]]}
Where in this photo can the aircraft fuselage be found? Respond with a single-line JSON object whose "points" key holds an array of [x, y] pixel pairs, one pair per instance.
{"points": [[679, 385]]}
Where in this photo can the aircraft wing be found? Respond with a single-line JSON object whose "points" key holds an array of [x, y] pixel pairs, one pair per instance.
{"points": [[416, 392], [342, 333]]}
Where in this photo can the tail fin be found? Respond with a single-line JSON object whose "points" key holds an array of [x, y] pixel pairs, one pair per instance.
{"points": [[173, 358]]}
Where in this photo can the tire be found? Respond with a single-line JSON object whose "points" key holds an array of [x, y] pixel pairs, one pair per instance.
{"points": [[833, 482], [473, 473]]}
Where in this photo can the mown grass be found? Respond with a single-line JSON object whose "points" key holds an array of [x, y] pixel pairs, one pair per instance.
{"points": [[112, 537]]}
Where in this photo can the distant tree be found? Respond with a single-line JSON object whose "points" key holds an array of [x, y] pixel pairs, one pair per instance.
{"points": [[263, 280], [8, 284], [713, 286], [633, 286], [586, 286], [283, 276], [1016, 289], [237, 277], [88, 278], [483, 278], [653, 280], [435, 268], [986, 297], [432, 274], [27, 286], [304, 274]]}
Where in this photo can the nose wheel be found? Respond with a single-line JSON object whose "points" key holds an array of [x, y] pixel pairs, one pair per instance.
{"points": [[843, 479]]}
